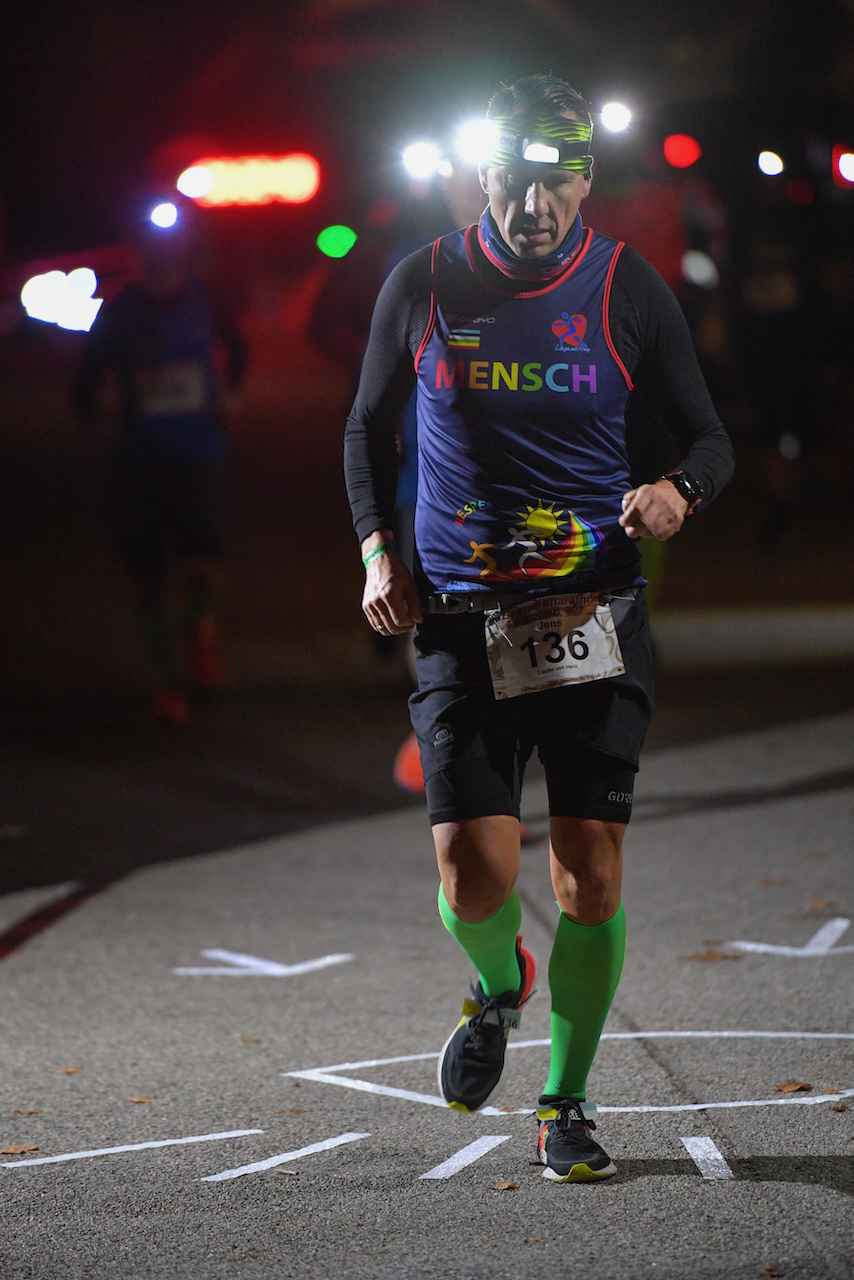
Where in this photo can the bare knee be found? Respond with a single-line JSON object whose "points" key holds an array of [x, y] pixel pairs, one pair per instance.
{"points": [[478, 862], [586, 867]]}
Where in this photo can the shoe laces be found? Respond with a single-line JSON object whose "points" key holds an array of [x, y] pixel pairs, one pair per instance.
{"points": [[568, 1115], [482, 1031]]}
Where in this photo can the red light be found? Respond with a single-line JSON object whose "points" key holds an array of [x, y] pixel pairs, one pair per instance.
{"points": [[681, 150], [842, 167], [799, 192], [289, 179]]}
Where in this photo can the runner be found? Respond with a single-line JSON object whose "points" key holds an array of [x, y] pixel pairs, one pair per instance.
{"points": [[160, 339], [527, 334]]}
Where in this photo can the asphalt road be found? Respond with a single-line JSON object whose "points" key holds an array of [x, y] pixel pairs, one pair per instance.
{"points": [[745, 838]]}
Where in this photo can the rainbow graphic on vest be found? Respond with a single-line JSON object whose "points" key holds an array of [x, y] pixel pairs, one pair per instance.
{"points": [[467, 339]]}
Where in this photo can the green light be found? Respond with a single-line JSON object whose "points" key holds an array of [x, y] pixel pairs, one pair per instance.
{"points": [[336, 242]]}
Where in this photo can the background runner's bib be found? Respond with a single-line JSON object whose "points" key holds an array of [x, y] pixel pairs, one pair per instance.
{"points": [[549, 642], [173, 387], [522, 460]]}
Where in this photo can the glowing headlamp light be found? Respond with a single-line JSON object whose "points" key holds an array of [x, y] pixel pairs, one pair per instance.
{"points": [[540, 153]]}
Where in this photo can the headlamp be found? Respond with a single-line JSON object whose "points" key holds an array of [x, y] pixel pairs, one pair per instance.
{"points": [[551, 140]]}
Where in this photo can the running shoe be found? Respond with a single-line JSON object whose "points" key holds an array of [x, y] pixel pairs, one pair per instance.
{"points": [[471, 1064], [565, 1146], [204, 662]]}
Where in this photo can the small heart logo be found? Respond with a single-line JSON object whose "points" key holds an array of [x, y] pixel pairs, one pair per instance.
{"points": [[570, 330]]}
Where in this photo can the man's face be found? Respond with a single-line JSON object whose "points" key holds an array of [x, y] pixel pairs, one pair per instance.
{"points": [[534, 205]]}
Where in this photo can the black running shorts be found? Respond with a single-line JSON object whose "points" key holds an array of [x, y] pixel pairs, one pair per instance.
{"points": [[474, 748], [166, 503]]}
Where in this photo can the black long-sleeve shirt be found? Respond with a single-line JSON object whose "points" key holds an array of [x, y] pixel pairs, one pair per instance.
{"points": [[670, 419]]}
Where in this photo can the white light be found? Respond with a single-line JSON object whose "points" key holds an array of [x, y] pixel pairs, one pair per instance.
{"points": [[539, 153], [82, 281], [195, 182], [57, 298], [164, 215], [770, 163], [699, 269], [474, 141], [445, 169], [421, 160], [846, 166], [615, 117], [789, 446]]}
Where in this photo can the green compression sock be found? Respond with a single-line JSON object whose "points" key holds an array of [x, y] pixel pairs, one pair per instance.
{"points": [[584, 970], [491, 945]]}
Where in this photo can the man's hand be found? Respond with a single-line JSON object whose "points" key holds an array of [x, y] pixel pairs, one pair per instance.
{"points": [[390, 601], [653, 511]]}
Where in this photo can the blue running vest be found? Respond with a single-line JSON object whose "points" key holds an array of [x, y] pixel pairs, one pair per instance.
{"points": [[522, 461]]}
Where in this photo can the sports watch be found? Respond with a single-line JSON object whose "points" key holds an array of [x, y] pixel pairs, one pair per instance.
{"points": [[690, 489]]}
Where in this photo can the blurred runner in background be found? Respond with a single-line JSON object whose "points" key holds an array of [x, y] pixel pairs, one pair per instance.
{"points": [[172, 350]]}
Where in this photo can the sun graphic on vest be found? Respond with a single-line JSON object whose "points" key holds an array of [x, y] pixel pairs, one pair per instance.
{"points": [[544, 524]]}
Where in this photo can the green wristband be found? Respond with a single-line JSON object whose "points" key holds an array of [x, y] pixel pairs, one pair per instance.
{"points": [[376, 552]]}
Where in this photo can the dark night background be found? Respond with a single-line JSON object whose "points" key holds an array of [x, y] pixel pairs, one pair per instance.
{"points": [[105, 104]]}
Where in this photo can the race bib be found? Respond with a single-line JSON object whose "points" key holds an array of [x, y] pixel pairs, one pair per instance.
{"points": [[174, 387], [549, 642]]}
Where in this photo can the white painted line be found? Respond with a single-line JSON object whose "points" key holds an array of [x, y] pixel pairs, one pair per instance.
{"points": [[606, 1035], [328, 1075], [819, 945], [707, 1158], [367, 1086], [242, 964], [133, 1146], [272, 1161], [467, 1155], [754, 1102]]}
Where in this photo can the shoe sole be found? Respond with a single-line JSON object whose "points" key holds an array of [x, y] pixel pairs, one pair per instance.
{"points": [[581, 1173]]}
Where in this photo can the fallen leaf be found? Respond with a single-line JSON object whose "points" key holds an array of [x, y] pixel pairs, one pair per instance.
{"points": [[292, 1111], [505, 1186], [839, 1106], [540, 1240], [67, 1071], [24, 1113], [770, 1270], [15, 1149], [792, 1086], [769, 882], [251, 1039], [818, 904], [508, 1110], [831, 1090], [710, 955], [134, 1098], [712, 942]]}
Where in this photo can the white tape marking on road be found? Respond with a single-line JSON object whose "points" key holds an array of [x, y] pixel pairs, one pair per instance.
{"points": [[606, 1035], [133, 1146], [752, 1102], [286, 1156], [327, 1075], [821, 944], [467, 1155], [367, 1086], [707, 1158], [243, 964]]}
